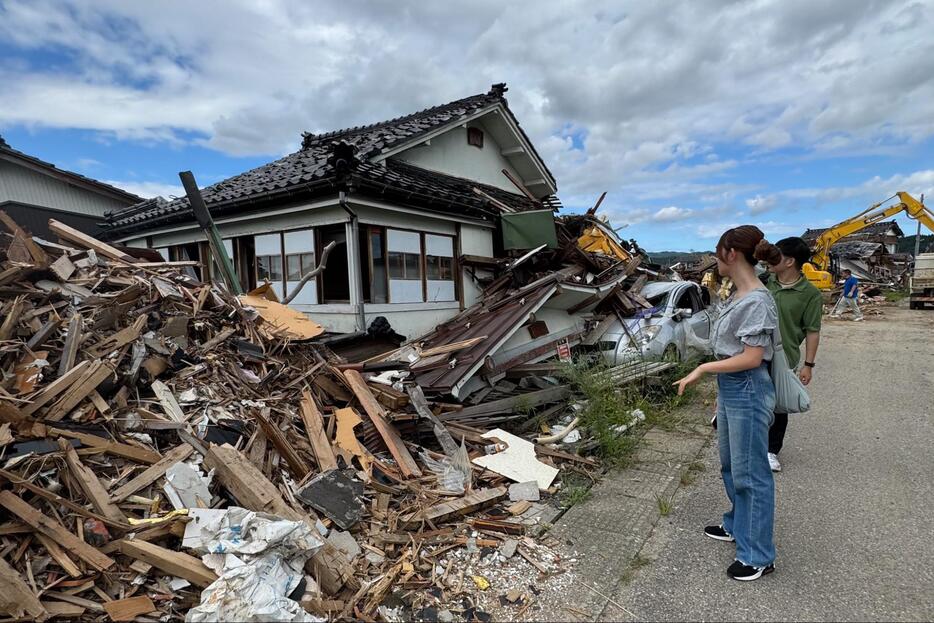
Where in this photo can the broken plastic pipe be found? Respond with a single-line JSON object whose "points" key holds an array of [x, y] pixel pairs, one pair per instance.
{"points": [[561, 434]]}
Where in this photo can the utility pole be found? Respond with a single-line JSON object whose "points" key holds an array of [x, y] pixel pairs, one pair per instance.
{"points": [[228, 274]]}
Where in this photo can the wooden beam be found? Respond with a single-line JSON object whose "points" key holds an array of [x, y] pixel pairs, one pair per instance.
{"points": [[385, 428], [130, 608], [314, 426], [72, 341], [168, 402], [55, 388], [95, 374], [43, 334], [58, 554], [461, 506], [16, 598], [169, 561], [134, 453], [89, 484], [152, 473], [38, 255], [64, 232], [54, 530], [274, 434], [119, 339]]}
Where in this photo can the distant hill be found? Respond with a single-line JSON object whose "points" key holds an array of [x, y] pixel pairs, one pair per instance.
{"points": [[906, 244], [668, 258]]}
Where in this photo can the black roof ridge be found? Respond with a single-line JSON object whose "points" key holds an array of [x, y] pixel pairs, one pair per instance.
{"points": [[310, 139]]}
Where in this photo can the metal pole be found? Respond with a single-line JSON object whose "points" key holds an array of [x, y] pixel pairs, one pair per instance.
{"points": [[214, 238]]}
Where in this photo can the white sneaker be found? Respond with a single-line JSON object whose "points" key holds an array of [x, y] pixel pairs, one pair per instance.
{"points": [[860, 319], [773, 463]]}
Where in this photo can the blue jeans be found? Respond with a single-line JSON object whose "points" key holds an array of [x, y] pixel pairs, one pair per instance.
{"points": [[745, 403]]}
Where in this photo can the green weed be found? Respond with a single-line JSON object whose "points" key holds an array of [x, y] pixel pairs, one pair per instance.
{"points": [[664, 505]]}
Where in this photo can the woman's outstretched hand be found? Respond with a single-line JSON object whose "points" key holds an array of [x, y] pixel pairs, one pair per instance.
{"points": [[695, 375]]}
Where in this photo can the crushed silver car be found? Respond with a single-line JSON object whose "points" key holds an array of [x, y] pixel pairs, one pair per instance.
{"points": [[677, 327]]}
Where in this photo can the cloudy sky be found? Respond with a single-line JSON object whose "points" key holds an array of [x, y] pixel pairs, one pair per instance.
{"points": [[693, 116]]}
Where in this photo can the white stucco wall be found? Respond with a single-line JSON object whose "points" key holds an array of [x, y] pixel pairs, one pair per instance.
{"points": [[474, 241], [449, 153], [23, 185]]}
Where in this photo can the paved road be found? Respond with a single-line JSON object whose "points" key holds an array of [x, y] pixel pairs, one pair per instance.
{"points": [[855, 502]]}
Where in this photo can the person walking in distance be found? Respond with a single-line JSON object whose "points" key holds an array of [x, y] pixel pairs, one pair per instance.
{"points": [[800, 308], [848, 297], [742, 346]]}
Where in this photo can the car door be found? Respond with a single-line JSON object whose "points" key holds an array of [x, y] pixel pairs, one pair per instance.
{"points": [[700, 317]]}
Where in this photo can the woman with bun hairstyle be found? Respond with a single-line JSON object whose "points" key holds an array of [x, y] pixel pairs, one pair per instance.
{"points": [[742, 346]]}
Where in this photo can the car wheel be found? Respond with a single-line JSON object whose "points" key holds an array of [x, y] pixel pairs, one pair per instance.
{"points": [[671, 354]]}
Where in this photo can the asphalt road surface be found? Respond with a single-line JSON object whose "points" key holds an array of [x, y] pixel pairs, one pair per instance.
{"points": [[854, 526]]}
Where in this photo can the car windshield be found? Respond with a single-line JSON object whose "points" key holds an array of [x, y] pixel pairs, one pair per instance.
{"points": [[659, 300]]}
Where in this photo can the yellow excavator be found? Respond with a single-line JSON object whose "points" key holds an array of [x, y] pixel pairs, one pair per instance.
{"points": [[816, 270]]}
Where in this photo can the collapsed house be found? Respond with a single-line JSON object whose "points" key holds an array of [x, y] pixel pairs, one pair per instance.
{"points": [[173, 451], [871, 253]]}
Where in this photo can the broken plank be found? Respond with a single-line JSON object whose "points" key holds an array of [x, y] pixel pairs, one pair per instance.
{"points": [[72, 341], [56, 387], [169, 561], [168, 402], [314, 427], [95, 374], [43, 334], [508, 405], [58, 554], [64, 232], [385, 428], [57, 499], [39, 256], [134, 453], [119, 339], [152, 473], [63, 268], [274, 434], [130, 608], [51, 528], [16, 598], [454, 508], [89, 484]]}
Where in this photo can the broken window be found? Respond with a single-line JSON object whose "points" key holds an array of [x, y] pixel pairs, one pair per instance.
{"points": [[373, 265], [335, 279], [439, 263]]}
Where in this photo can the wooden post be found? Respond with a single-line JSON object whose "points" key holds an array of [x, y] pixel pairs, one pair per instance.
{"points": [[214, 238]]}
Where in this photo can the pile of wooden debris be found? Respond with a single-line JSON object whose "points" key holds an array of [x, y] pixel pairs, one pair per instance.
{"points": [[160, 437]]}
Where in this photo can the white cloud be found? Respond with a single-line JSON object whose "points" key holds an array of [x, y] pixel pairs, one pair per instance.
{"points": [[672, 214], [760, 204], [148, 190]]}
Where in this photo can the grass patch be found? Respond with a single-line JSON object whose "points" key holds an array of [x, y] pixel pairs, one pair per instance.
{"points": [[575, 489], [896, 295], [637, 563], [664, 505]]}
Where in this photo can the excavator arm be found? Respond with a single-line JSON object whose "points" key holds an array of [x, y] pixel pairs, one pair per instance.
{"points": [[816, 270]]}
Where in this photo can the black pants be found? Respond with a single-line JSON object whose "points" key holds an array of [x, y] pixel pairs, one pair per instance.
{"points": [[777, 432]]}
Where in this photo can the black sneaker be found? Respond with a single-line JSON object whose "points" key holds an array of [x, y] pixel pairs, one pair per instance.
{"points": [[717, 532], [745, 573]]}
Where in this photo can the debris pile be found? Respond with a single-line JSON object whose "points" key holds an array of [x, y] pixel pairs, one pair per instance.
{"points": [[171, 451]]}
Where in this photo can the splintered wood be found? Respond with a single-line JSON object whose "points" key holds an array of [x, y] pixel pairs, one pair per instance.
{"points": [[135, 396]]}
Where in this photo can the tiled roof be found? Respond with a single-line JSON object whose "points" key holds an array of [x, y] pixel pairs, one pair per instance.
{"points": [[307, 173], [6, 150]]}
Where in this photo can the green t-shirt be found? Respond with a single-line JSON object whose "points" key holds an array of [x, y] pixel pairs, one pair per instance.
{"points": [[800, 308]]}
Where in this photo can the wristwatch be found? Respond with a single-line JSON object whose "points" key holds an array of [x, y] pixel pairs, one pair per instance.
{"points": [[809, 364]]}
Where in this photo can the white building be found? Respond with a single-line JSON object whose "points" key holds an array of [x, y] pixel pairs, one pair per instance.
{"points": [[32, 191], [425, 190]]}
